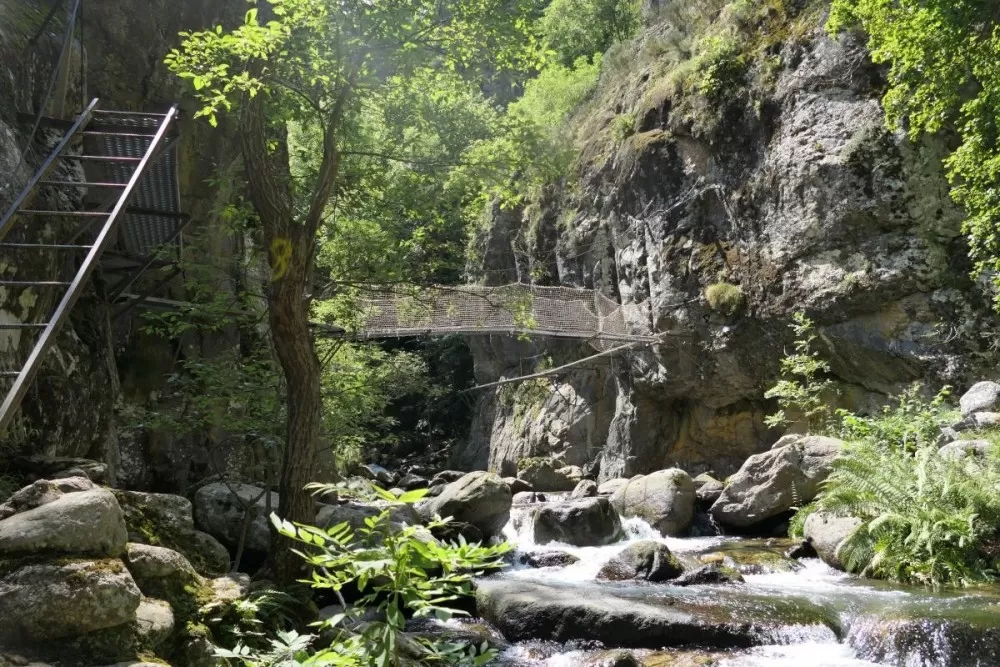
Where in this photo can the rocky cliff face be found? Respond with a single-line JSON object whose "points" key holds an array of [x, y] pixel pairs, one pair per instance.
{"points": [[780, 185]]}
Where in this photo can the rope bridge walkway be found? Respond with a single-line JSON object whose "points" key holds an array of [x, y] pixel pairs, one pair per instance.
{"points": [[561, 312]]}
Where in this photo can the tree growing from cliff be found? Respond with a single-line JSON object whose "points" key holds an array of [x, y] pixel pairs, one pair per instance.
{"points": [[309, 69], [805, 387], [944, 74]]}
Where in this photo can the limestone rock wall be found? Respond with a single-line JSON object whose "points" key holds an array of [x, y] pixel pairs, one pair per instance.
{"points": [[795, 193]]}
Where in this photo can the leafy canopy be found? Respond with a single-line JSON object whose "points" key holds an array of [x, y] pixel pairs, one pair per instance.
{"points": [[944, 58]]}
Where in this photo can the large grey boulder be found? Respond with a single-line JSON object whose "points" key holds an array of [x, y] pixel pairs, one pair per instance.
{"points": [[664, 499], [981, 397], [826, 533], [156, 568], [707, 489], [547, 474], [60, 599], [587, 488], [585, 522], [479, 498], [961, 449], [524, 610], [42, 492], [647, 561], [774, 481], [84, 523], [154, 621], [609, 487], [219, 509], [355, 514], [166, 520]]}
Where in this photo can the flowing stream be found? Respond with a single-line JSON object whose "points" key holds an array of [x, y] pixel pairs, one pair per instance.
{"points": [[864, 622]]}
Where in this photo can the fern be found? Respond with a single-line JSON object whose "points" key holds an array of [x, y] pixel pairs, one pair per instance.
{"points": [[925, 519]]}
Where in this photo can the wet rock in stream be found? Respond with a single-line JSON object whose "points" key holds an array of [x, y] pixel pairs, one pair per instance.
{"points": [[524, 610]]}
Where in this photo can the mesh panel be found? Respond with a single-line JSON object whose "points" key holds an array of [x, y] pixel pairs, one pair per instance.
{"points": [[549, 311]]}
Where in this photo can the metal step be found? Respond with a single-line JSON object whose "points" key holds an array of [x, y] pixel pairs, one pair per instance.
{"points": [[100, 158], [117, 134], [74, 214], [109, 112], [83, 184], [33, 283], [44, 246]]}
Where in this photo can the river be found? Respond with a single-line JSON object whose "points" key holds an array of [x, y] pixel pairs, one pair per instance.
{"points": [[860, 622]]}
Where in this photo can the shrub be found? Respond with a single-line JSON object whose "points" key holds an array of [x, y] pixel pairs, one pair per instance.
{"points": [[724, 297], [399, 573], [805, 389], [623, 126], [907, 425]]}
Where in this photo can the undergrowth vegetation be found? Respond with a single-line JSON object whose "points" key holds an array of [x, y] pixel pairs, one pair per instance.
{"points": [[928, 516], [383, 575]]}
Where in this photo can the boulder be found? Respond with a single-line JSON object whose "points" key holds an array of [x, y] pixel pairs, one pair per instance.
{"points": [[52, 467], [219, 510], [826, 533], [48, 601], [517, 486], [707, 489], [547, 474], [980, 421], [587, 488], [377, 473], [647, 561], [548, 559], [355, 514], [611, 486], [83, 523], [771, 483], [447, 477], [664, 499], [166, 520], [981, 397], [479, 498], [752, 556], [524, 610], [154, 620], [961, 449], [708, 575], [412, 482], [149, 564], [528, 497], [41, 492], [583, 523]]}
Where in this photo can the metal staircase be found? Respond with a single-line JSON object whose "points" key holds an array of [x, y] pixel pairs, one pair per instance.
{"points": [[90, 225]]}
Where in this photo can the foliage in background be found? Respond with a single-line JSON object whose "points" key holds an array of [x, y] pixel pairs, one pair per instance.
{"points": [[574, 29], [944, 77], [804, 392], [906, 425], [400, 574]]}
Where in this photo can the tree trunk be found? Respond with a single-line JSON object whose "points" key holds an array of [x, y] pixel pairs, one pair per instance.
{"points": [[291, 245]]}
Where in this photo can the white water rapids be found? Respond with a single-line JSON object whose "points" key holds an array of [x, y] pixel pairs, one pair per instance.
{"points": [[864, 610]]}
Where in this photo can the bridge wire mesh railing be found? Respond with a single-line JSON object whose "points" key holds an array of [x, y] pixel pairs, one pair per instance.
{"points": [[565, 312]]}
